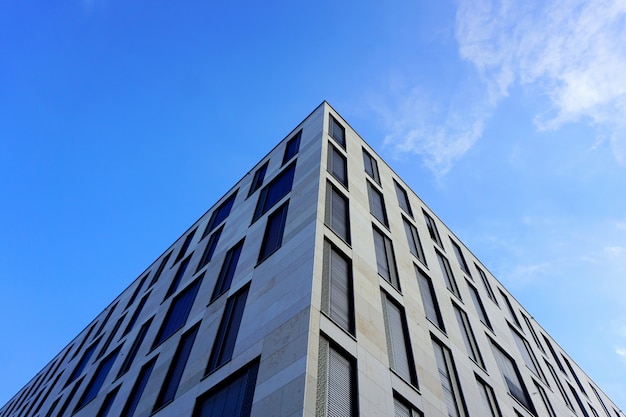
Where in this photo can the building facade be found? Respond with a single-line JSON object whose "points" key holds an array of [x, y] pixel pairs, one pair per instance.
{"points": [[319, 285]]}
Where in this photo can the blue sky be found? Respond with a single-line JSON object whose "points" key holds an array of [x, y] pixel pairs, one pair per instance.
{"points": [[122, 122]]}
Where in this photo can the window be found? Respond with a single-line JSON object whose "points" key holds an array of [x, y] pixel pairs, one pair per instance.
{"points": [[209, 248], [80, 366], [478, 305], [527, 354], [110, 337], [450, 385], [468, 335], [337, 165], [337, 132], [226, 337], [513, 378], [488, 398], [377, 204], [274, 230], [97, 380], [337, 212], [160, 269], [510, 309], [385, 259], [108, 402], [178, 312], [178, 277], [371, 166], [257, 180], [185, 246], [557, 381], [595, 391], [415, 244], [545, 400], [225, 278], [554, 355], [429, 299], [581, 406], [135, 316], [398, 344], [486, 284], [447, 275], [69, 398], [460, 258], [132, 298], [336, 383], [231, 397], [177, 366], [220, 214], [273, 192], [403, 199], [106, 320], [132, 352], [292, 147], [432, 229], [337, 294], [402, 408], [571, 370], [532, 332], [137, 390]]}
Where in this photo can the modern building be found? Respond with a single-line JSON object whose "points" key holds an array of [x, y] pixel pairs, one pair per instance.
{"points": [[319, 285]]}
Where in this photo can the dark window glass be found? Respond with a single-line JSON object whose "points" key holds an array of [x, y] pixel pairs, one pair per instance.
{"points": [[98, 379], [403, 199], [511, 311], [224, 344], [449, 381], [70, 397], [159, 270], [137, 390], [135, 316], [80, 347], [137, 289], [574, 375], [209, 249], [337, 165], [273, 192], [185, 246], [110, 337], [554, 355], [533, 333], [52, 407], [527, 354], [398, 344], [468, 335], [486, 284], [225, 278], [557, 381], [132, 352], [595, 391], [460, 258], [337, 213], [274, 230], [180, 272], [415, 244], [337, 132], [220, 214], [429, 299], [377, 204], [581, 406], [337, 295], [432, 229], [336, 382], [292, 147], [448, 277], [176, 369], [257, 180], [385, 259], [106, 320], [513, 379], [82, 363], [231, 397], [478, 305], [178, 312], [371, 166], [108, 402]]}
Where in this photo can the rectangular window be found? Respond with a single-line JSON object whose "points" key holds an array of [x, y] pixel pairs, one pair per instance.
{"points": [[337, 132], [273, 192], [545, 400], [160, 269], [136, 313], [70, 397], [231, 397], [557, 381], [132, 352], [220, 214], [371, 166], [227, 272], [80, 366], [180, 272], [460, 258], [554, 355], [571, 370], [513, 378], [337, 293], [385, 259], [402, 408], [108, 402], [468, 335], [209, 249], [178, 312], [257, 180], [106, 320], [532, 332], [336, 383], [415, 244], [97, 380], [403, 199], [274, 231], [478, 305], [488, 398], [132, 298], [176, 369], [486, 284], [432, 229], [337, 165], [336, 216], [398, 343], [429, 299], [527, 354], [137, 390], [377, 204], [450, 385], [581, 406], [595, 391], [224, 344], [110, 337], [510, 309], [185, 246], [448, 277], [292, 147]]}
